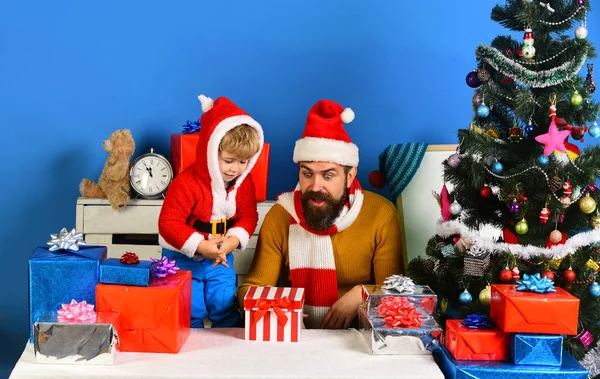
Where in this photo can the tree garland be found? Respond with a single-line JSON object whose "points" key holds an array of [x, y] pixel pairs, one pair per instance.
{"points": [[484, 239], [535, 79]]}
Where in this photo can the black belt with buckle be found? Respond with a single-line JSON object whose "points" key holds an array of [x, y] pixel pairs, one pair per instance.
{"points": [[216, 228]]}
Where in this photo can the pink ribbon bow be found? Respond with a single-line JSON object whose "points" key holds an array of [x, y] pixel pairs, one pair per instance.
{"points": [[77, 312]]}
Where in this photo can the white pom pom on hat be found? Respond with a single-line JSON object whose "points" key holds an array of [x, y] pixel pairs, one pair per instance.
{"points": [[347, 116], [207, 103]]}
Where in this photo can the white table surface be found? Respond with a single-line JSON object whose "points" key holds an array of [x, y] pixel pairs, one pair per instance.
{"points": [[223, 353]]}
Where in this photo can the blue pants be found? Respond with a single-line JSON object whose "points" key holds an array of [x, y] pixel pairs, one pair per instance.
{"points": [[213, 290]]}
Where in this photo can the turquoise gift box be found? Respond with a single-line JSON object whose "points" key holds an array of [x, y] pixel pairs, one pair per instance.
{"points": [[536, 349], [113, 271], [57, 277]]}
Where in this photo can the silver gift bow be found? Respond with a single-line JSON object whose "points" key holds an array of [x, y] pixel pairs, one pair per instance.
{"points": [[399, 283], [66, 240]]}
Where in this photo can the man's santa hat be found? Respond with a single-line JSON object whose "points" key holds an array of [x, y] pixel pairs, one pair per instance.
{"points": [[324, 138]]}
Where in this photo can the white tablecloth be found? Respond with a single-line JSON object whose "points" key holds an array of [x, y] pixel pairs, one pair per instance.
{"points": [[223, 353]]}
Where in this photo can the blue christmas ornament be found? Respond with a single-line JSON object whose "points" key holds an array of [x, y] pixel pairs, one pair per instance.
{"points": [[465, 297], [535, 283], [527, 129], [595, 289], [543, 160], [594, 131], [496, 167], [483, 111]]}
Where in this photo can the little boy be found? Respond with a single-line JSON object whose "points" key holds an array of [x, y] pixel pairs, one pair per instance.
{"points": [[210, 209]]}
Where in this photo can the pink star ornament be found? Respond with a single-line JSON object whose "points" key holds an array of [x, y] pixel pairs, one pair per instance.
{"points": [[554, 139]]}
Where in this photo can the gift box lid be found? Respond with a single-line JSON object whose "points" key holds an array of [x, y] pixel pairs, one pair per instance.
{"points": [[423, 297], [88, 252], [256, 295], [101, 318], [420, 290]]}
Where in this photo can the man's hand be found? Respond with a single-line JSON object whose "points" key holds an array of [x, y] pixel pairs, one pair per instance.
{"points": [[209, 249], [344, 311]]}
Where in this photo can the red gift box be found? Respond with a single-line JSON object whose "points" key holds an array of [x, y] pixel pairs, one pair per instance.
{"points": [[274, 313], [154, 319], [476, 344], [530, 312], [183, 154]]}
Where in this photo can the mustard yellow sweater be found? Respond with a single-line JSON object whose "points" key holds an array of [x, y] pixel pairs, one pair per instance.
{"points": [[366, 252]]}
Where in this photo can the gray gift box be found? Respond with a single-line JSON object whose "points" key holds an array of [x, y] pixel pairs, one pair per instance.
{"points": [[423, 298], [76, 343], [400, 341]]}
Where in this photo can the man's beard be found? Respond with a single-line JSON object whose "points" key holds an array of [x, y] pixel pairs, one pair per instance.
{"points": [[321, 218]]}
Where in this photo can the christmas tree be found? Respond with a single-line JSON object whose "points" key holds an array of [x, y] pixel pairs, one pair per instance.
{"points": [[521, 196]]}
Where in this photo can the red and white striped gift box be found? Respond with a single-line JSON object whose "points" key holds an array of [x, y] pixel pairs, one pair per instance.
{"points": [[274, 313]]}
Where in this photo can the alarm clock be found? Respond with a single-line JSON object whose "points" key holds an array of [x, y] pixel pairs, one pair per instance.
{"points": [[150, 175]]}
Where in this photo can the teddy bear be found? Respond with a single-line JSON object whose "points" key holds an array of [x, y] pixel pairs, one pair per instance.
{"points": [[114, 180]]}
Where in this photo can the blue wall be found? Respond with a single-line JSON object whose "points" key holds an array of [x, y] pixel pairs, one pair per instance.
{"points": [[71, 72]]}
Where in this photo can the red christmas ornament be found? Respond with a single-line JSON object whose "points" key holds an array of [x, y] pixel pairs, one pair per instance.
{"points": [[377, 179], [548, 274], [485, 192], [130, 258], [569, 275], [577, 132], [506, 275], [544, 214], [515, 273]]}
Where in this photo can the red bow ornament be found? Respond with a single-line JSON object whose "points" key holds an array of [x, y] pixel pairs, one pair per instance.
{"points": [[130, 258]]}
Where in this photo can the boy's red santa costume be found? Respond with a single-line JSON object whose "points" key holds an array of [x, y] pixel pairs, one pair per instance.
{"points": [[199, 194]]}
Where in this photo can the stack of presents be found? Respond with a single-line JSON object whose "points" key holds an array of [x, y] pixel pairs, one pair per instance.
{"points": [[522, 337], [85, 307]]}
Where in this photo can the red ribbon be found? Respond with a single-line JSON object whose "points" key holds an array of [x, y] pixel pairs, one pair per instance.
{"points": [[265, 305], [398, 312], [130, 258]]}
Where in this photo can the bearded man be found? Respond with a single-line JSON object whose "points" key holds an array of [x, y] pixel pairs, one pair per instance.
{"points": [[327, 236]]}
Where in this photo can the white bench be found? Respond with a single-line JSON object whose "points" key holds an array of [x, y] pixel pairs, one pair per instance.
{"points": [[135, 228]]}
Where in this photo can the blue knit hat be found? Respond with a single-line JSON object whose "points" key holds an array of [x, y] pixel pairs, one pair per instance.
{"points": [[398, 164]]}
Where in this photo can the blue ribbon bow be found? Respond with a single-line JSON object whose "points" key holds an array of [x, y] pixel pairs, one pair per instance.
{"points": [[191, 127], [535, 283], [478, 321]]}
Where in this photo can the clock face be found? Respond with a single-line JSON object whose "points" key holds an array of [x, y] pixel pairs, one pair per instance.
{"points": [[151, 175]]}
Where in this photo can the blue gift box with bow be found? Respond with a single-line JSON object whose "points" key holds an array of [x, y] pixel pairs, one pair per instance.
{"points": [[56, 277], [113, 271]]}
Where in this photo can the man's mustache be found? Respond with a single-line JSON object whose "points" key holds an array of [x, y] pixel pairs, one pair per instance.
{"points": [[316, 195]]}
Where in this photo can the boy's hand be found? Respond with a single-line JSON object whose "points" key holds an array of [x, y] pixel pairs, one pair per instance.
{"points": [[209, 249], [229, 243], [225, 247]]}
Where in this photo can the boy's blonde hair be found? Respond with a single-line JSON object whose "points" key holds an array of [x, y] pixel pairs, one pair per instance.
{"points": [[241, 141]]}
